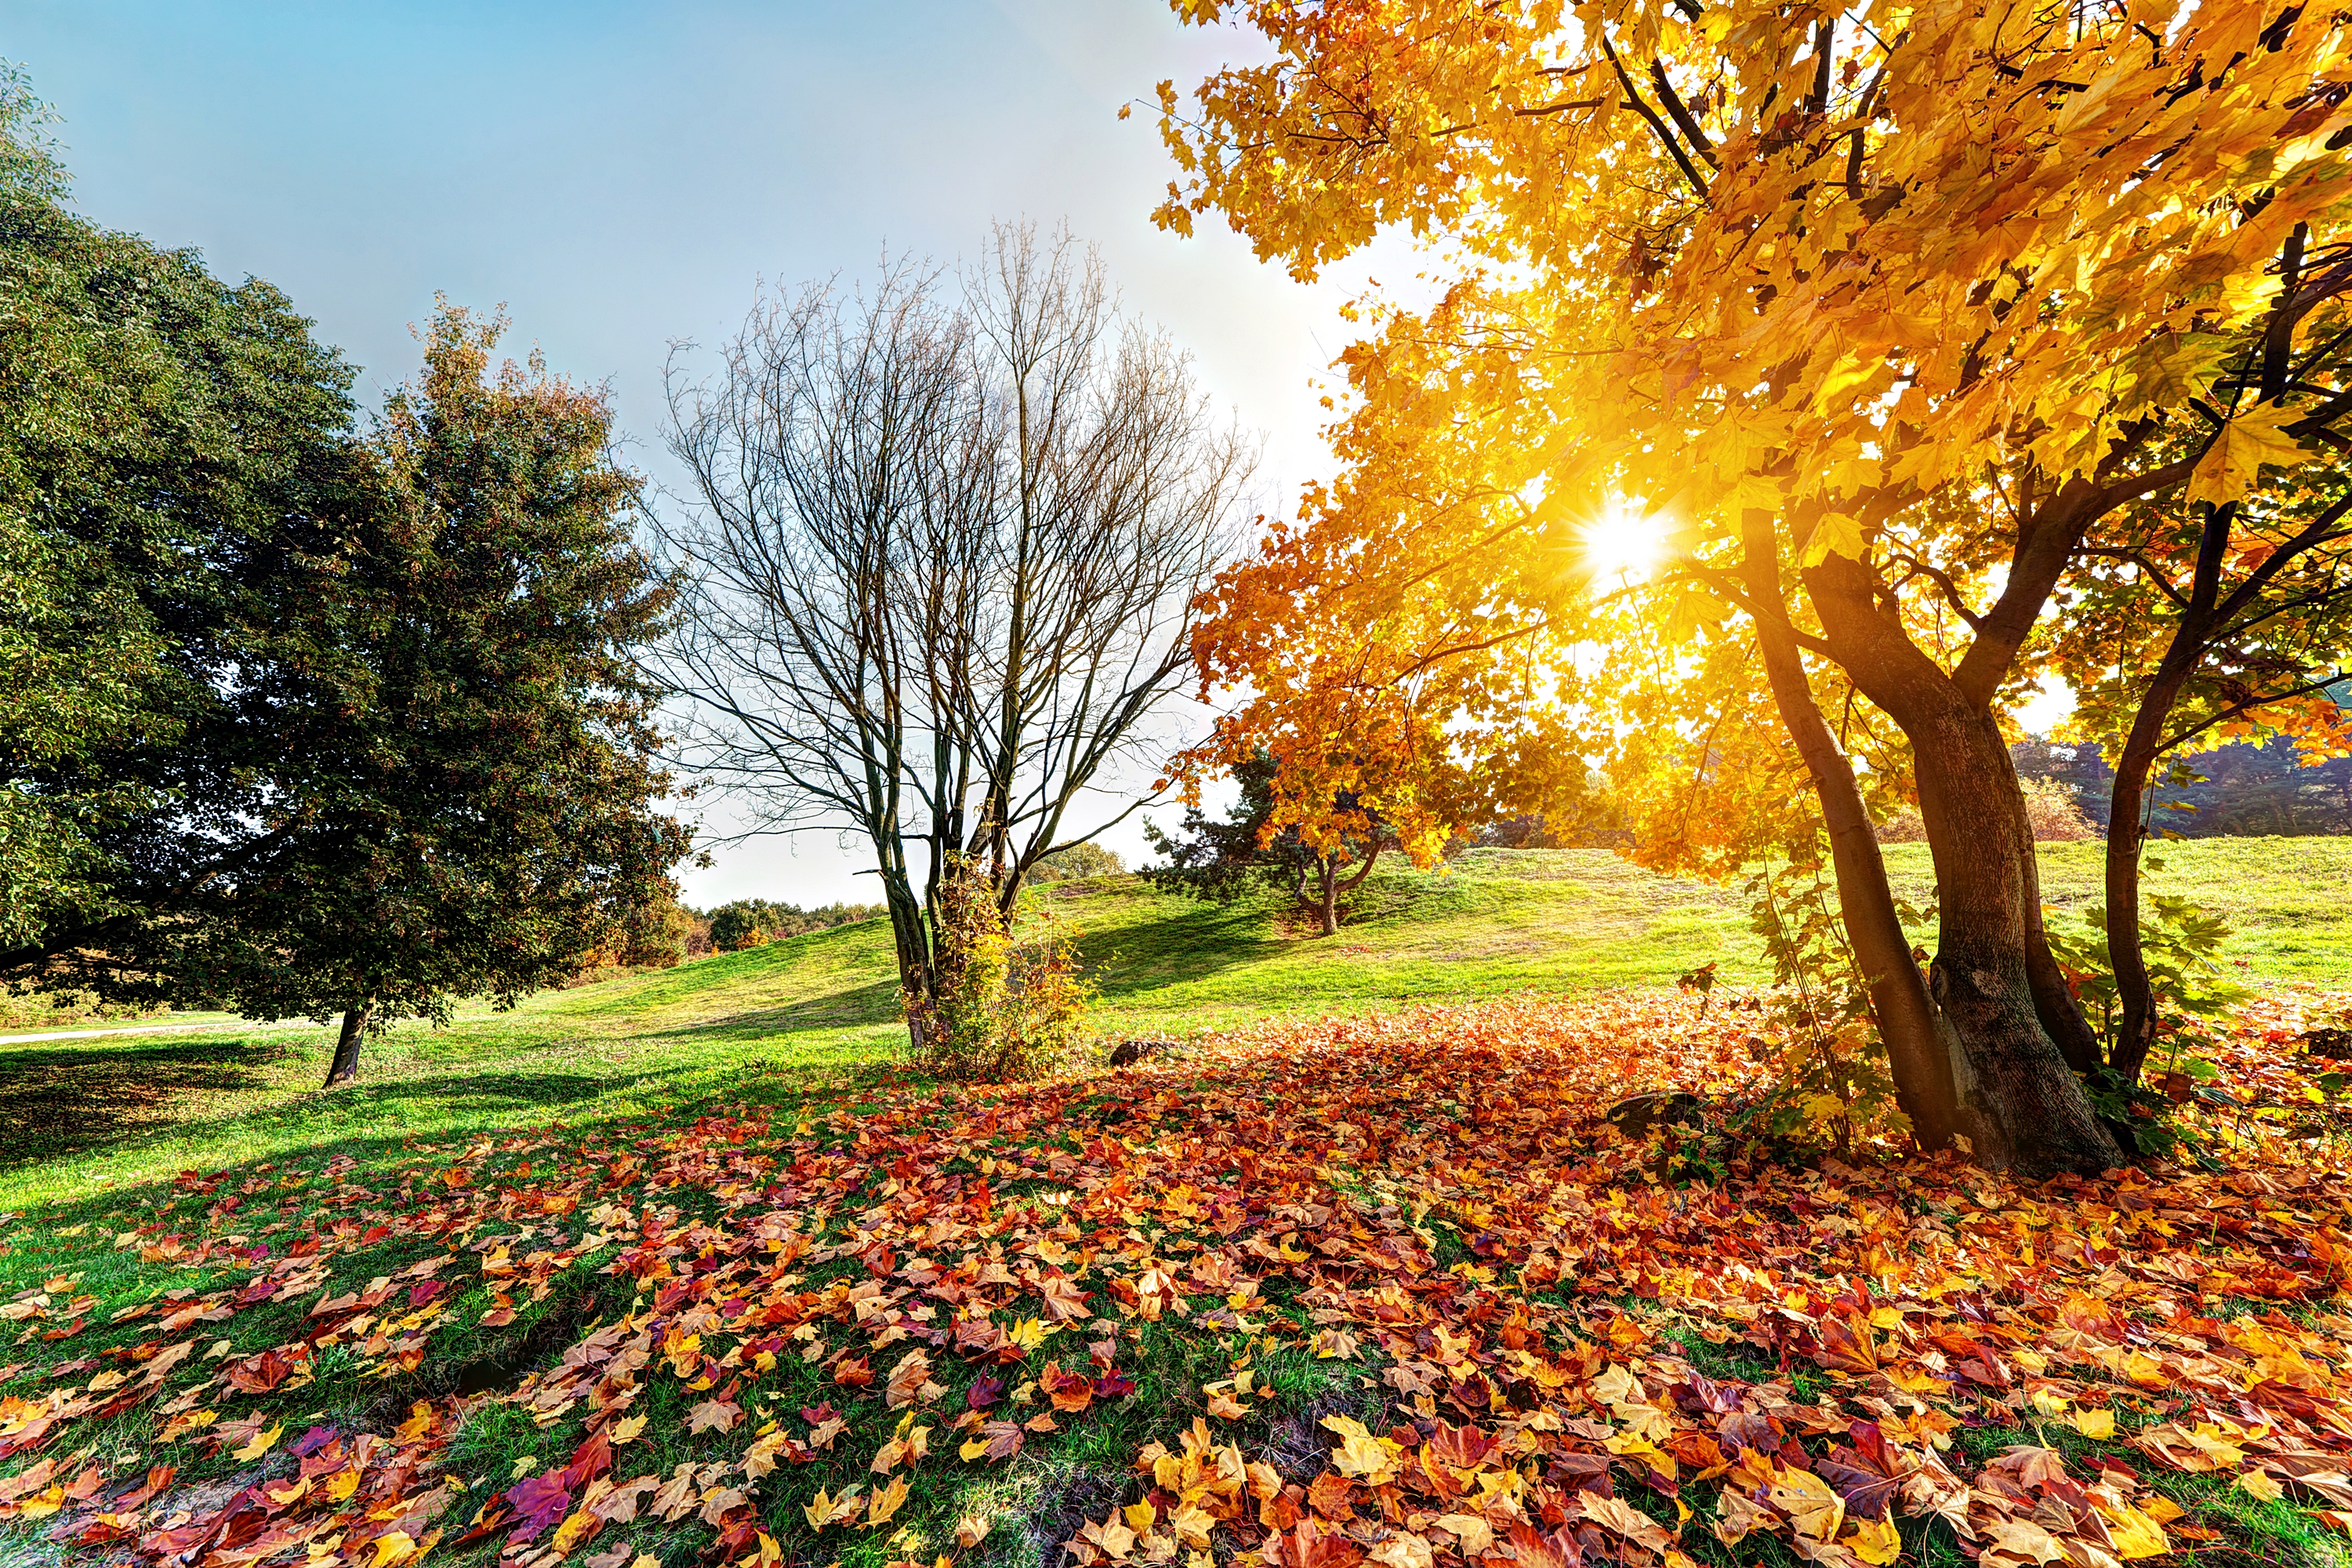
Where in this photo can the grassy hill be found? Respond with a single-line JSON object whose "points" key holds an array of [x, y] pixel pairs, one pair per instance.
{"points": [[132, 1108]]}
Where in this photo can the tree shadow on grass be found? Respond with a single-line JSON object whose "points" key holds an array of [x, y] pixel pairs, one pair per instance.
{"points": [[1205, 940], [876, 1003], [65, 1098]]}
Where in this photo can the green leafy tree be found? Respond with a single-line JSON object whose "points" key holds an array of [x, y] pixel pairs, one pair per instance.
{"points": [[467, 787], [1222, 860], [167, 444]]}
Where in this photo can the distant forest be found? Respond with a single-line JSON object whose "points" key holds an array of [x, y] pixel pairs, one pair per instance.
{"points": [[2244, 789]]}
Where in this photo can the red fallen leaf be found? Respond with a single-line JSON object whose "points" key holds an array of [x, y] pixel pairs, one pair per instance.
{"points": [[1459, 1447], [1069, 1391], [817, 1415], [539, 1501], [158, 1477], [853, 1373], [373, 1234], [984, 1392], [589, 1460], [259, 1373], [1867, 1474], [1331, 1496], [418, 1295], [310, 1442], [1114, 1386], [1311, 1546]]}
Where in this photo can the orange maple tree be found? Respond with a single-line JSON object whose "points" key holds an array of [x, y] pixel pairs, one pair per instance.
{"points": [[1877, 312]]}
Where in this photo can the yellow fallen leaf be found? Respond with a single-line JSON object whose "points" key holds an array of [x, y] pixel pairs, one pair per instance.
{"points": [[1875, 1541], [1470, 1529], [1360, 1456], [626, 1427], [884, 1503], [2095, 1423], [391, 1548], [262, 1442], [2262, 1484]]}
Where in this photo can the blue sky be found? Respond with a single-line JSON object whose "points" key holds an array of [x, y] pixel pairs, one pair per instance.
{"points": [[622, 176]]}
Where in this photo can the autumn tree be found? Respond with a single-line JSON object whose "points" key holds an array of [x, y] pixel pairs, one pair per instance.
{"points": [[946, 549], [2218, 612], [1880, 314]]}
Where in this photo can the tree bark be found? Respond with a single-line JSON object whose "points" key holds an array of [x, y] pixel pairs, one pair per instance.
{"points": [[1921, 1050], [1327, 909], [1989, 920], [345, 1068]]}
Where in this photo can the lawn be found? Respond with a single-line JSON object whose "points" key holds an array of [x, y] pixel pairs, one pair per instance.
{"points": [[706, 1201]]}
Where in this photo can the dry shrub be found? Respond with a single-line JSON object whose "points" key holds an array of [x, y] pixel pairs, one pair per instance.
{"points": [[2057, 818]]}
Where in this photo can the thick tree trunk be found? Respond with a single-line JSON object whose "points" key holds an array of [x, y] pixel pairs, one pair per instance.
{"points": [[345, 1068], [1989, 919], [1920, 1047]]}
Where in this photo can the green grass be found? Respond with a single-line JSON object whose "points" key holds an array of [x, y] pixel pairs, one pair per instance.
{"points": [[97, 1114]]}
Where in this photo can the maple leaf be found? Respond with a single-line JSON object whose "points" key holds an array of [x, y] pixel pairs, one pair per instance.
{"points": [[1623, 1519], [1071, 1391], [853, 1373], [713, 1415], [984, 1392], [824, 1509], [539, 1501], [1362, 1456], [910, 1381], [997, 1440], [626, 1428], [1063, 1300], [261, 1444], [1812, 1506], [2231, 464], [884, 1503]]}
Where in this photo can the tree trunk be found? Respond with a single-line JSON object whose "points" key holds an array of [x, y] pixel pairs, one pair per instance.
{"points": [[1328, 911], [2135, 995], [345, 1068], [1989, 918], [1920, 1047]]}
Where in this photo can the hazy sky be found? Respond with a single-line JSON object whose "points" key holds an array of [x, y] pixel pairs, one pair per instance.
{"points": [[622, 176]]}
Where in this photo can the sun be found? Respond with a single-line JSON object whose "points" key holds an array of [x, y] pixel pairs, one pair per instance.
{"points": [[1622, 541]]}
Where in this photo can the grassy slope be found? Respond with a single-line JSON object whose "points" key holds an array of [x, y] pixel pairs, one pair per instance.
{"points": [[91, 1114]]}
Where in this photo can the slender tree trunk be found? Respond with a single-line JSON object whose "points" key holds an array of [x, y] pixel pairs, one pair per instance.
{"points": [[2135, 995], [1921, 1050], [1328, 910], [2053, 1000], [345, 1068], [1989, 918]]}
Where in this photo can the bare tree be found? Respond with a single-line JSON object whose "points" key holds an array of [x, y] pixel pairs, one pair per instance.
{"points": [[945, 550]]}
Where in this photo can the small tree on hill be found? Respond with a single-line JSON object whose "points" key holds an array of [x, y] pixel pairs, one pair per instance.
{"points": [[1222, 860]]}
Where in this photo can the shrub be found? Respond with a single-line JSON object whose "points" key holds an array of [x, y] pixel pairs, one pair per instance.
{"points": [[1000, 1008], [1077, 862]]}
